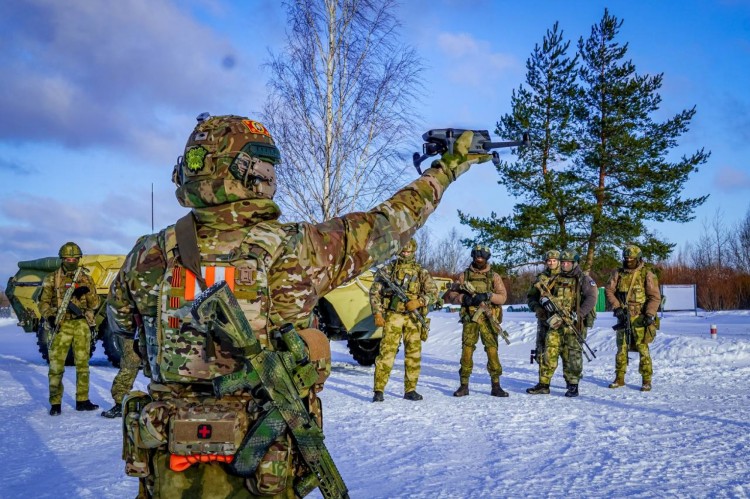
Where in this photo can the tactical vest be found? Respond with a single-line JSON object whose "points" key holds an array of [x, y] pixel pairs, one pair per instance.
{"points": [[631, 286], [180, 352], [62, 283], [483, 283], [406, 275], [566, 292]]}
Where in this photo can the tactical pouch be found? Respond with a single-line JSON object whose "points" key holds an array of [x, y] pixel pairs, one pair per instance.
{"points": [[319, 352], [555, 322], [134, 452], [207, 427], [590, 318], [425, 329], [276, 469]]}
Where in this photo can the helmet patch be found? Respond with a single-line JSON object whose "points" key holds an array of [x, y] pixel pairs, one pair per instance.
{"points": [[256, 127], [195, 159]]}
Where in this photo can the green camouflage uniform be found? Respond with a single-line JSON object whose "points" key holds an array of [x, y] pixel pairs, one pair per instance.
{"points": [[418, 285], [484, 281], [130, 364], [641, 287], [576, 292], [73, 331], [298, 262], [533, 297]]}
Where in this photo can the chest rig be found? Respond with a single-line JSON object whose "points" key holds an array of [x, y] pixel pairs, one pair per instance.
{"points": [[181, 351], [483, 283], [405, 275], [566, 291], [631, 286]]}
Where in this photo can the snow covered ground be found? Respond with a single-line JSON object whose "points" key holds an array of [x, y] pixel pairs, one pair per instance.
{"points": [[689, 437]]}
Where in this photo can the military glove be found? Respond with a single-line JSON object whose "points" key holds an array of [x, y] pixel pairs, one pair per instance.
{"points": [[412, 305], [51, 321], [573, 316], [648, 320], [80, 291], [619, 313], [379, 320], [555, 322], [460, 161], [466, 300], [480, 298], [547, 304]]}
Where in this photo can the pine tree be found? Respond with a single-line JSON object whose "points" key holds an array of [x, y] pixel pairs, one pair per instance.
{"points": [[552, 213], [622, 149]]}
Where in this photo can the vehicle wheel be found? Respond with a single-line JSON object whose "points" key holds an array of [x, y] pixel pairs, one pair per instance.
{"points": [[112, 344], [41, 343], [364, 351]]}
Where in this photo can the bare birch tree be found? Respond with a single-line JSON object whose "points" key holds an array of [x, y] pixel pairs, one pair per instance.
{"points": [[340, 106]]}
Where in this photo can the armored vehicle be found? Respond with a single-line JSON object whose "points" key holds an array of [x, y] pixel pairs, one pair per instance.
{"points": [[25, 288]]}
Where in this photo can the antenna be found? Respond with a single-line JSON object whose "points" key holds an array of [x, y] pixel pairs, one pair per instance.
{"points": [[152, 207]]}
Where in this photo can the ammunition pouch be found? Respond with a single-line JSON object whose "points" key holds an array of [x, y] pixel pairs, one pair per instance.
{"points": [[319, 353], [555, 322], [134, 449], [276, 468]]}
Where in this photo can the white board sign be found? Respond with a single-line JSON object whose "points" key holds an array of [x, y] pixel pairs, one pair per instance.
{"points": [[679, 297]]}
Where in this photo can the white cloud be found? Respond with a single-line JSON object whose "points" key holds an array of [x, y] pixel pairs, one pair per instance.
{"points": [[471, 61]]}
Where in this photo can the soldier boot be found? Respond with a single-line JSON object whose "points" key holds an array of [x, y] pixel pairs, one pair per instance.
{"points": [[539, 389], [462, 391], [85, 405], [55, 409], [646, 385], [412, 395], [377, 396], [114, 412], [572, 390], [618, 382], [497, 391]]}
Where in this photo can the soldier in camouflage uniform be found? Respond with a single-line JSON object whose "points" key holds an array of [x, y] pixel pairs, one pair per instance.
{"points": [[278, 270], [552, 262], [490, 290], [130, 364], [636, 287], [576, 294], [398, 319], [77, 326]]}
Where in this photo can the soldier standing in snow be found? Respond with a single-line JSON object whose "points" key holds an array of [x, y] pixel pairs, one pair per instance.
{"points": [[575, 293], [399, 319], [278, 271], [68, 303], [488, 289], [633, 290]]}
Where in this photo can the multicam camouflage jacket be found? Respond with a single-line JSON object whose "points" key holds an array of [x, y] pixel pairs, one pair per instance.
{"points": [[53, 290], [638, 287]]}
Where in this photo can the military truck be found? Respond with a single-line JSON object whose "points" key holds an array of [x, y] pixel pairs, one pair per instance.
{"points": [[25, 288], [344, 314]]}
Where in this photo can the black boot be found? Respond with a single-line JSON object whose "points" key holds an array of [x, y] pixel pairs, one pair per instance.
{"points": [[377, 396], [412, 395], [539, 389], [462, 391], [572, 390], [114, 412], [497, 391], [55, 410], [85, 405]]}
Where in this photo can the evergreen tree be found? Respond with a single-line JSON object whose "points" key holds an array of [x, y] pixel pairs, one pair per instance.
{"points": [[552, 213], [622, 150]]}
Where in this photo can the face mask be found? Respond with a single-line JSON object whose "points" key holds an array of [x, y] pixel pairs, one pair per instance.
{"points": [[70, 266]]}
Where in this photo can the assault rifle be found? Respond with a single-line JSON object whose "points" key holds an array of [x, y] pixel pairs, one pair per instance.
{"points": [[275, 379], [62, 308], [400, 294], [624, 323], [549, 304], [441, 140], [484, 310]]}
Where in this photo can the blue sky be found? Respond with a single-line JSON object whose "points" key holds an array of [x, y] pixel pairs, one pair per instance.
{"points": [[98, 99]]}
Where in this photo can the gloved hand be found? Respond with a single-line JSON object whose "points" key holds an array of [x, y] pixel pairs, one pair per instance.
{"points": [[547, 304], [51, 321], [412, 305], [480, 298], [466, 300], [573, 316], [648, 320], [459, 162], [619, 313], [555, 322], [379, 320], [80, 291]]}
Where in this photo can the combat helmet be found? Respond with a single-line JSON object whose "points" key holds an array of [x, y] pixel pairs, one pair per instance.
{"points": [[569, 256], [631, 251], [70, 250], [411, 246], [552, 255], [226, 159], [481, 251]]}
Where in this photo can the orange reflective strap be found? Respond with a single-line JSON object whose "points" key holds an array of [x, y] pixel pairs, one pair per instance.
{"points": [[181, 463], [212, 275]]}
